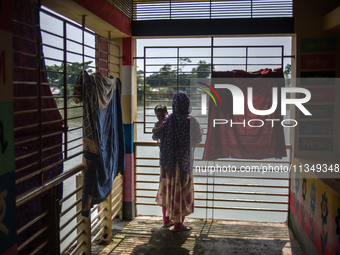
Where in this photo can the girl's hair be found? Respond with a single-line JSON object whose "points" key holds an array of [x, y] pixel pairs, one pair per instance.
{"points": [[161, 108]]}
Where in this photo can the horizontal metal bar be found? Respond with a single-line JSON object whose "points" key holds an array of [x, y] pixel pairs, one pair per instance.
{"points": [[34, 192], [25, 54], [98, 224], [227, 192], [40, 247], [95, 208], [73, 118], [99, 232], [227, 208], [154, 144], [53, 155], [25, 82], [47, 167], [98, 215], [228, 200], [25, 98], [70, 207], [116, 196], [116, 188], [208, 57], [216, 46], [25, 39], [227, 184], [70, 195], [70, 220], [246, 160], [51, 33], [75, 147], [51, 46], [243, 177], [24, 24], [73, 241], [32, 111], [27, 141], [28, 176], [77, 248], [116, 205], [40, 216], [150, 166], [115, 214], [52, 59], [26, 166], [224, 176], [32, 238], [71, 40], [71, 230], [26, 155], [243, 208]]}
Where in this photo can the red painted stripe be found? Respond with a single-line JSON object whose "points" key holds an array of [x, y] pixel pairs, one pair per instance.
{"points": [[106, 11], [128, 48], [129, 178]]}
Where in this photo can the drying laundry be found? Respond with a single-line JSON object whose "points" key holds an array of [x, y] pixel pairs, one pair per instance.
{"points": [[260, 138], [103, 136]]}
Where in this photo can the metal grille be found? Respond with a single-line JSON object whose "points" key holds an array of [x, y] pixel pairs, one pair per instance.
{"points": [[218, 195], [125, 6], [177, 76], [50, 53], [150, 10]]}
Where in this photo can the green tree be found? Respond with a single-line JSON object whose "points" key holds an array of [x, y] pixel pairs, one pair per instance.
{"points": [[140, 85], [287, 74], [287, 71], [203, 69], [182, 63], [56, 75], [165, 77]]}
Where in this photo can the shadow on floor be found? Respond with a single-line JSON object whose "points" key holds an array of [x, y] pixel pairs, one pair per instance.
{"points": [[145, 236], [165, 242]]}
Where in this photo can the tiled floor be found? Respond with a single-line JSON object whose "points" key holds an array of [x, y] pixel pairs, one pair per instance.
{"points": [[145, 236]]}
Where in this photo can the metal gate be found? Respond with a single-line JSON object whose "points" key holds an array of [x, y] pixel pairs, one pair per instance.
{"points": [[168, 70]]}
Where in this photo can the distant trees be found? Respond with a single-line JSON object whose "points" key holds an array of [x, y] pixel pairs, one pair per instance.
{"points": [[287, 73], [166, 78], [56, 75]]}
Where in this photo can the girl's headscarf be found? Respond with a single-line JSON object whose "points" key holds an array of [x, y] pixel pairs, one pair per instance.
{"points": [[176, 144]]}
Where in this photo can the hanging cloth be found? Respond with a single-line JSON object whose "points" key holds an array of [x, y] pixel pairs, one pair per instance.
{"points": [[244, 141], [103, 136]]}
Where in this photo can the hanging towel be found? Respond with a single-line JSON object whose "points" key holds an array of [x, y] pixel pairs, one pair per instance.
{"points": [[244, 141], [103, 136]]}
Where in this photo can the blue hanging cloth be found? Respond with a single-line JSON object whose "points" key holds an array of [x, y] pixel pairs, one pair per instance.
{"points": [[103, 136]]}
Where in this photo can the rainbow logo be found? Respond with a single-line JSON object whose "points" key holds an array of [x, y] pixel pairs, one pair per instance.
{"points": [[208, 92]]}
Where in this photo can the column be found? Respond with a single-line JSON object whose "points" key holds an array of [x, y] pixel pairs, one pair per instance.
{"points": [[129, 108]]}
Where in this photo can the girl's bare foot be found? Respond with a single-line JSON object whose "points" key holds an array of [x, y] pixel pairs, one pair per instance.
{"points": [[171, 223], [183, 228]]}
